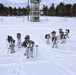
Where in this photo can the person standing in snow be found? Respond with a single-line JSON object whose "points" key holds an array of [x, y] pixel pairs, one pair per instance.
{"points": [[53, 34], [63, 37], [29, 49], [47, 37], [12, 45], [54, 39], [26, 44], [19, 39], [9, 39], [67, 33], [60, 33]]}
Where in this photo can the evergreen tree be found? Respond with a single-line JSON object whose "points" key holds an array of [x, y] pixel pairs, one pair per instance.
{"points": [[45, 10], [68, 10], [14, 11], [19, 11], [1, 9], [60, 9], [10, 11], [52, 10], [74, 10]]}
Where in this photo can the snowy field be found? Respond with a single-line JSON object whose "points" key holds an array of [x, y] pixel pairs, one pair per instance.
{"points": [[49, 61]]}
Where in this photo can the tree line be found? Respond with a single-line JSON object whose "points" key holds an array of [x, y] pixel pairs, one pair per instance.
{"points": [[9, 11], [60, 10]]}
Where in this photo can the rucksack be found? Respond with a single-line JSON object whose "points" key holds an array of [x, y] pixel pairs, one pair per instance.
{"points": [[46, 36], [9, 38], [54, 32], [24, 44]]}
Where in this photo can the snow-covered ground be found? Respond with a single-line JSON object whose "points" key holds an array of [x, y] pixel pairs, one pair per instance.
{"points": [[49, 61]]}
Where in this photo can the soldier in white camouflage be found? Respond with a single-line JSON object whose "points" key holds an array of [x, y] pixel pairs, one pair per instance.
{"points": [[67, 33], [9, 39], [12, 45], [60, 33], [29, 49], [47, 37], [63, 37], [19, 39], [54, 39]]}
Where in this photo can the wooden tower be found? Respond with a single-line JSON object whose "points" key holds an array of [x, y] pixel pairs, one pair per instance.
{"points": [[34, 10]]}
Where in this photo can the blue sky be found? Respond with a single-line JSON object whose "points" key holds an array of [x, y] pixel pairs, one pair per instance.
{"points": [[23, 3]]}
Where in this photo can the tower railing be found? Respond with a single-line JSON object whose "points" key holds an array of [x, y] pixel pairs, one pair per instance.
{"points": [[35, 1]]}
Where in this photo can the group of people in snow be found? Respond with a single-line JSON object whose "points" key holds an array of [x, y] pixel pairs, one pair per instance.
{"points": [[55, 39], [27, 44]]}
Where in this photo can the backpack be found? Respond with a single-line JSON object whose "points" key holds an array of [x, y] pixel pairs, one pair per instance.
{"points": [[52, 39], [24, 44], [46, 36], [9, 38]]}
